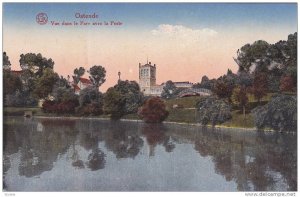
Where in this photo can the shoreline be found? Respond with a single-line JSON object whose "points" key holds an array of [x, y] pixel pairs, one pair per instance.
{"points": [[164, 122]]}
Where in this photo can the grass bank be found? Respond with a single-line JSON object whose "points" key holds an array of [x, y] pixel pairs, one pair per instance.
{"points": [[186, 113]]}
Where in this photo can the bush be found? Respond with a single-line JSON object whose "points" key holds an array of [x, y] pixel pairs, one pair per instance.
{"points": [[212, 110], [93, 108], [60, 108], [279, 114], [20, 99], [153, 111], [89, 95]]}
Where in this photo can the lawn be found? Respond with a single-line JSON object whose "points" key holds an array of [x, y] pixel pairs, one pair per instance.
{"points": [[238, 120], [19, 111], [186, 102], [182, 115]]}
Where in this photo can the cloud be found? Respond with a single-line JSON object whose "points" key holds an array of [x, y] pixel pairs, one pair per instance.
{"points": [[179, 31]]}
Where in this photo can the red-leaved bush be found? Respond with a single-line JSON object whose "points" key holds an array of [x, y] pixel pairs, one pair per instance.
{"points": [[60, 108], [153, 111]]}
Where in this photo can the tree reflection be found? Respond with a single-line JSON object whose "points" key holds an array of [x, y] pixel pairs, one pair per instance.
{"points": [[253, 162], [123, 140], [156, 134], [96, 160], [89, 137], [40, 148]]}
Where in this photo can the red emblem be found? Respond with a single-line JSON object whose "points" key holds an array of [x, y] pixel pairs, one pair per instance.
{"points": [[41, 18]]}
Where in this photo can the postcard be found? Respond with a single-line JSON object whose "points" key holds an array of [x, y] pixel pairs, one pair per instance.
{"points": [[180, 97]]}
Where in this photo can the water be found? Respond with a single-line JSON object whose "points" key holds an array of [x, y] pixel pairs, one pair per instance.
{"points": [[100, 155]]}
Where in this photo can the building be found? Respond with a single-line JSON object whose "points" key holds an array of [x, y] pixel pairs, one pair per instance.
{"points": [[82, 84], [147, 80], [183, 84]]}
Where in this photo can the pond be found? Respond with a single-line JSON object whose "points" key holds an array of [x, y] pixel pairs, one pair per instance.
{"points": [[43, 154]]}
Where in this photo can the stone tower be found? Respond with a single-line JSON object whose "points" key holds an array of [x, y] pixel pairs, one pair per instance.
{"points": [[147, 77]]}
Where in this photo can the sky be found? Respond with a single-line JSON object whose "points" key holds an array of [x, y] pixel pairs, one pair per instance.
{"points": [[185, 40]]}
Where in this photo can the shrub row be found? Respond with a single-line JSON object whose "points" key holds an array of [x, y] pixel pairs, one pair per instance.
{"points": [[60, 108]]}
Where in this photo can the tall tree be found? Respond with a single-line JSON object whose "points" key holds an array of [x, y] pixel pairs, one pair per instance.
{"points": [[45, 84], [240, 96], [130, 90], [123, 98], [97, 75], [78, 72], [114, 103], [35, 63], [252, 56], [274, 59]]}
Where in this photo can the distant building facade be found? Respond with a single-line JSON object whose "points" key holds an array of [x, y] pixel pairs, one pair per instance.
{"points": [[147, 81]]}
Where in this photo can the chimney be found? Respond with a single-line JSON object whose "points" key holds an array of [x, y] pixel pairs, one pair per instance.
{"points": [[154, 65]]}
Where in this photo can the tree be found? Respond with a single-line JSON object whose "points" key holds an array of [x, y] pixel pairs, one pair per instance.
{"points": [[153, 111], [35, 63], [91, 101], [240, 96], [78, 72], [205, 83], [212, 110], [62, 82], [130, 90], [244, 79], [20, 99], [286, 84], [279, 114], [45, 84], [6, 62], [260, 85], [90, 95], [123, 98], [252, 57], [11, 83], [97, 75], [62, 94], [169, 90], [114, 103], [274, 59], [223, 89]]}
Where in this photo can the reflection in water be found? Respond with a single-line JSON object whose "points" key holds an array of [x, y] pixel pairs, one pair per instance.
{"points": [[123, 140], [252, 160], [96, 160], [156, 134]]}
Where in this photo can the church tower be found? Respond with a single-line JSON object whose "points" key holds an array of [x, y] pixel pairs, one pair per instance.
{"points": [[147, 77]]}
